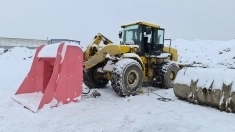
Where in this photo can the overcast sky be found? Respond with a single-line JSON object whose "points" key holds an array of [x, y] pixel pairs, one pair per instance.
{"points": [[82, 19]]}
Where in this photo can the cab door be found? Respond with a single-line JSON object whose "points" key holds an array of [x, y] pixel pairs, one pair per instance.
{"points": [[158, 41]]}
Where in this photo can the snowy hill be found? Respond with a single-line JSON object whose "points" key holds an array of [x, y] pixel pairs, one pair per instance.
{"points": [[142, 113], [207, 53]]}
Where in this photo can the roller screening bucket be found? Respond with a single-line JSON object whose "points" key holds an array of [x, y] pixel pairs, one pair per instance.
{"points": [[55, 77], [213, 87]]}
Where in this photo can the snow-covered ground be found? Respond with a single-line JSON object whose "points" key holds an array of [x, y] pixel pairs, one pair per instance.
{"points": [[111, 113], [206, 52]]}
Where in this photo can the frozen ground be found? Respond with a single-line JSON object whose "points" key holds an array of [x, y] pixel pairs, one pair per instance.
{"points": [[110, 113]]}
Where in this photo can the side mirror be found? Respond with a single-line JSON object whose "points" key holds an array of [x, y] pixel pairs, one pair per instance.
{"points": [[120, 34]]}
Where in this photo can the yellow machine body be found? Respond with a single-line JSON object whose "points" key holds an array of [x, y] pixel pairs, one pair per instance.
{"points": [[107, 54]]}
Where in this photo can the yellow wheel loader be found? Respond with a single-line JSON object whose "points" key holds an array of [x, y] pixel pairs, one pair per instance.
{"points": [[140, 59]]}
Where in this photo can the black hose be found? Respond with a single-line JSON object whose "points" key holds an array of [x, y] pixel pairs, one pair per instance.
{"points": [[162, 98]]}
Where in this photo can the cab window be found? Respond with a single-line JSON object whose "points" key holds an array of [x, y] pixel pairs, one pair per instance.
{"points": [[159, 36]]}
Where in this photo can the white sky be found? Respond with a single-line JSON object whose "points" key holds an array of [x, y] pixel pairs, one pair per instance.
{"points": [[81, 20]]}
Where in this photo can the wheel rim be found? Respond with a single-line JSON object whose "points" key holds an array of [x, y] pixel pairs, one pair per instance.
{"points": [[132, 79], [172, 76]]}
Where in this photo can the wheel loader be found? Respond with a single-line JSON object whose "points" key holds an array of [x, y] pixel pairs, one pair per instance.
{"points": [[139, 60]]}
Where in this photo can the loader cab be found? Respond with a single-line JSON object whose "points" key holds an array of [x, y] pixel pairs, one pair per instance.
{"points": [[149, 37]]}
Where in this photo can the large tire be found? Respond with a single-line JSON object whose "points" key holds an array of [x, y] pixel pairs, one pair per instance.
{"points": [[127, 77], [90, 80], [169, 71]]}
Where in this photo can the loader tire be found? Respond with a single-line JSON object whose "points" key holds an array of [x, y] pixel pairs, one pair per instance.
{"points": [[127, 77], [169, 71], [90, 80]]}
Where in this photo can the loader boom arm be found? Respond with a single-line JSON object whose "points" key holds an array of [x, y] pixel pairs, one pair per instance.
{"points": [[90, 50]]}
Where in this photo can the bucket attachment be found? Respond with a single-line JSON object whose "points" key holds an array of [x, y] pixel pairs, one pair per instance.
{"points": [[213, 87], [56, 76]]}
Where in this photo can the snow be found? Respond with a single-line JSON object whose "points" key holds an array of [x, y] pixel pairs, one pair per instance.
{"points": [[206, 76], [134, 46], [107, 56], [206, 52], [141, 113], [163, 55], [31, 101], [51, 49], [95, 46], [1, 51], [108, 67], [218, 56]]}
